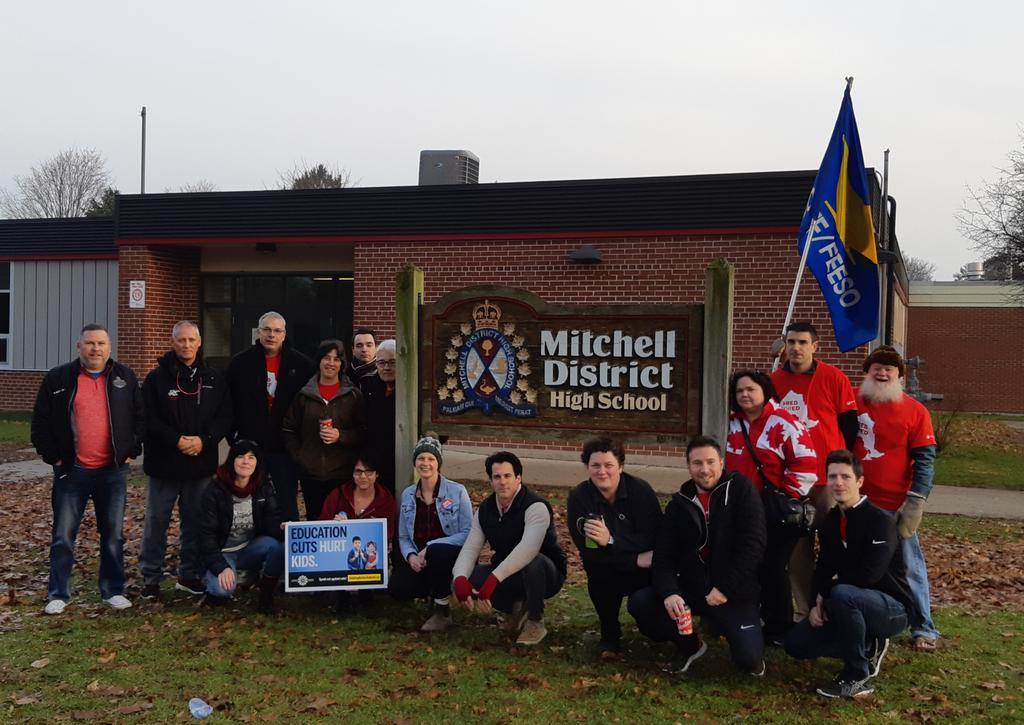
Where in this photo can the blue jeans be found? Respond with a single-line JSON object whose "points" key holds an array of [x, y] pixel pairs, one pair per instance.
{"points": [[263, 555], [160, 499], [917, 579], [72, 489], [855, 616], [284, 474]]}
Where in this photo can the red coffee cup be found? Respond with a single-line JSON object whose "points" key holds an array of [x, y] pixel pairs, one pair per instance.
{"points": [[327, 423]]}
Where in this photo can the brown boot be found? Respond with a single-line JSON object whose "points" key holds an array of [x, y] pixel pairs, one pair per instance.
{"points": [[532, 633], [439, 621], [267, 586]]}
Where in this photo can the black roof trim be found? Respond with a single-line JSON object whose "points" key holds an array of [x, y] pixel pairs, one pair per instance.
{"points": [[57, 238], [713, 201]]}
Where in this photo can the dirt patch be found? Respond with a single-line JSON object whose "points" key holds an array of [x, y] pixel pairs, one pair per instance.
{"points": [[968, 432]]}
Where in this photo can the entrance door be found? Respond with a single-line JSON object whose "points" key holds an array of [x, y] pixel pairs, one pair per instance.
{"points": [[316, 307]]}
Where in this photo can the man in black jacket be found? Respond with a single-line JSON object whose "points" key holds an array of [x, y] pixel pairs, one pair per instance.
{"points": [[87, 423], [613, 520], [527, 564], [706, 561], [263, 381], [188, 412], [860, 589]]}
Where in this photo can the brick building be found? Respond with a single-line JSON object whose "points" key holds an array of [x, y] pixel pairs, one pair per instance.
{"points": [[327, 258], [971, 336]]}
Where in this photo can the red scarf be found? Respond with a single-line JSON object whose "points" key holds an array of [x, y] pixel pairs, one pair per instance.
{"points": [[226, 476]]}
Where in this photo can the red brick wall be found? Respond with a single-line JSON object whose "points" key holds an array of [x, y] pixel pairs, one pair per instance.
{"points": [[650, 270], [172, 293], [18, 389], [634, 270], [972, 355]]}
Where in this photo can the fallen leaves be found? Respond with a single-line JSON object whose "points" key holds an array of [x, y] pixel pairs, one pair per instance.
{"points": [[318, 705], [40, 664]]}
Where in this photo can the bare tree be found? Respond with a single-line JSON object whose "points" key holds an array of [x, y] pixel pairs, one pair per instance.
{"points": [[194, 187], [919, 269], [63, 186], [319, 176], [993, 218]]}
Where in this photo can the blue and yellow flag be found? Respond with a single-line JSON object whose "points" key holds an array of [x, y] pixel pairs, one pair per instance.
{"points": [[837, 224]]}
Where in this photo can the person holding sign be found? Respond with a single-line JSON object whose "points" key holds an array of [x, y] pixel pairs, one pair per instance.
{"points": [[527, 564], [613, 520], [241, 527], [324, 427], [434, 518], [361, 498]]}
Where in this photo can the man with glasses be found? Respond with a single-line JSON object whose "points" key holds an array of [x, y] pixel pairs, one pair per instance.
{"points": [[379, 402], [263, 381]]}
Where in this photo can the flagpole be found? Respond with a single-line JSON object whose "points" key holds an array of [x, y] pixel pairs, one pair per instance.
{"points": [[777, 353]]}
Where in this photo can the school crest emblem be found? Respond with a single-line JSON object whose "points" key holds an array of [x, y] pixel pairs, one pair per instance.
{"points": [[487, 367]]}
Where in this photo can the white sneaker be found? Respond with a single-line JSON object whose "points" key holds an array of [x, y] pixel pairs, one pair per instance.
{"points": [[118, 602], [55, 606]]}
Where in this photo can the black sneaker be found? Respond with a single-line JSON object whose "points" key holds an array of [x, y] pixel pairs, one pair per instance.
{"points": [[847, 688], [682, 660], [609, 649], [192, 586], [151, 592], [876, 651]]}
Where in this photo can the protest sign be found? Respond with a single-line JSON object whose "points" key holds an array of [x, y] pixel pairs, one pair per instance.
{"points": [[336, 555]]}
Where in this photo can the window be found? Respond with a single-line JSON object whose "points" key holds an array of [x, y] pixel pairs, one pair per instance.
{"points": [[5, 314]]}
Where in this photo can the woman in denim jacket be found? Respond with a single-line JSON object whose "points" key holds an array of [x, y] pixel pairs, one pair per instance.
{"points": [[434, 518]]}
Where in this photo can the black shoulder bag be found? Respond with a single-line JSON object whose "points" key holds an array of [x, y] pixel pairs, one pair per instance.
{"points": [[781, 509]]}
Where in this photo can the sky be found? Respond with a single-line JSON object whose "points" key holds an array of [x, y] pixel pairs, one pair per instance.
{"points": [[239, 92]]}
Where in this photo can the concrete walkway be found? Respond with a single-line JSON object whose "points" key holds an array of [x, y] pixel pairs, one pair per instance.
{"points": [[665, 474]]}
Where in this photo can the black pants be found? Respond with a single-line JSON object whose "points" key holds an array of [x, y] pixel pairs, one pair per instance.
{"points": [[855, 616], [314, 493], [434, 581], [537, 581], [738, 622], [607, 587], [776, 595]]}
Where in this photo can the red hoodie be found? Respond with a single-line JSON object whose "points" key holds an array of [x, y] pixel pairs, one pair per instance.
{"points": [[341, 500]]}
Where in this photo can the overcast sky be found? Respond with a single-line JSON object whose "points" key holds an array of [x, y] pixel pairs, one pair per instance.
{"points": [[238, 92]]}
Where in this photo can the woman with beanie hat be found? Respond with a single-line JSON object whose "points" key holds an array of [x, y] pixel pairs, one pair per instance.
{"points": [[434, 518], [241, 527]]}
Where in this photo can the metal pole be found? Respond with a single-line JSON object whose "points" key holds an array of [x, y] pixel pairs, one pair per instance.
{"points": [[792, 296], [142, 183]]}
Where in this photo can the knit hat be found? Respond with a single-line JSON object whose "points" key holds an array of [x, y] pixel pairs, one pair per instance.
{"points": [[885, 355], [428, 444]]}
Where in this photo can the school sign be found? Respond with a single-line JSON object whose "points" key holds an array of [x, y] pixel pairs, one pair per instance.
{"points": [[501, 358]]}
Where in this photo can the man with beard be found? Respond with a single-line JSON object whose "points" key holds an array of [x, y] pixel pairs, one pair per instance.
{"points": [[362, 368], [896, 444]]}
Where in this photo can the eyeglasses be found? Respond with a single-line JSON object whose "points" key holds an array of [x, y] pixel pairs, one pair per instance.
{"points": [[385, 363], [363, 472], [275, 330]]}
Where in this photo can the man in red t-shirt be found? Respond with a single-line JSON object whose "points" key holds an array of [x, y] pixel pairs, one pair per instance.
{"points": [[819, 396], [896, 444]]}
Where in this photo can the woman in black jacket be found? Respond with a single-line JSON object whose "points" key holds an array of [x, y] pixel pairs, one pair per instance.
{"points": [[241, 527]]}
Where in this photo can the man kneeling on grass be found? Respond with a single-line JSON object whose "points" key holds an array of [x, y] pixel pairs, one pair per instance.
{"points": [[527, 566], [860, 585], [711, 544]]}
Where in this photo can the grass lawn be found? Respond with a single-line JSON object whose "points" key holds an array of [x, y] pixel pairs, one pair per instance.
{"points": [[304, 664], [980, 467], [14, 427]]}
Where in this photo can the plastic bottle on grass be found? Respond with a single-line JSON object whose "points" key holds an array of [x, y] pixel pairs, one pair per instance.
{"points": [[200, 710]]}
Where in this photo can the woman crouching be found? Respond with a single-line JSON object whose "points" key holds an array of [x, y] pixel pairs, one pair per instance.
{"points": [[241, 527]]}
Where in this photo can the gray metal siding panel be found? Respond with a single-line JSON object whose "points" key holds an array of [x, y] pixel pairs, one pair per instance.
{"points": [[51, 301]]}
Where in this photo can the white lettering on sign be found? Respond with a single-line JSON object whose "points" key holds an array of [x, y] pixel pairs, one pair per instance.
{"points": [[841, 283], [571, 345]]}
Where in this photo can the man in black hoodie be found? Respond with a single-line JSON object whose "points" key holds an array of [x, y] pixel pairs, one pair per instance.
{"points": [[188, 412], [860, 588], [706, 560], [263, 381]]}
